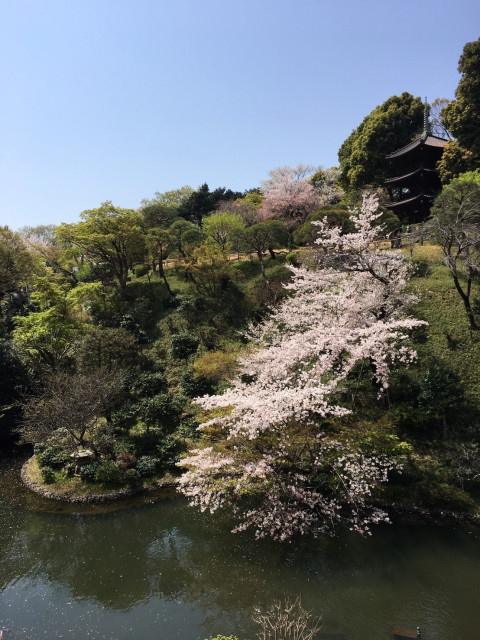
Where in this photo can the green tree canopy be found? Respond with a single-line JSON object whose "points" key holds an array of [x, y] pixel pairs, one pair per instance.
{"points": [[265, 236], [203, 201], [184, 236], [468, 176], [253, 199], [221, 227], [388, 127], [462, 115], [14, 382], [110, 235], [336, 215], [48, 336], [462, 118], [17, 263], [455, 160], [171, 199], [156, 215], [106, 348]]}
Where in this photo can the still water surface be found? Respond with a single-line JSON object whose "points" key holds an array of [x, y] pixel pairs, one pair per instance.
{"points": [[154, 569]]}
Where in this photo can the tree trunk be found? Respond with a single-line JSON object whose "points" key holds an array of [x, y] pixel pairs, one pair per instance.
{"points": [[161, 271], [262, 267], [466, 303]]}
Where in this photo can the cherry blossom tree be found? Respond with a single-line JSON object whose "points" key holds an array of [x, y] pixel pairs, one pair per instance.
{"points": [[326, 184], [289, 196], [274, 449]]}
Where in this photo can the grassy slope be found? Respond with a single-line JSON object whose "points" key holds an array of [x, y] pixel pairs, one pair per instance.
{"points": [[449, 338], [431, 477]]}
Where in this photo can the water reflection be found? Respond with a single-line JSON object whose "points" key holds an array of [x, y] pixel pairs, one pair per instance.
{"points": [[165, 571]]}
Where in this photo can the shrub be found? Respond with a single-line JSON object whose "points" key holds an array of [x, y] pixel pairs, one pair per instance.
{"points": [[125, 416], [292, 258], [444, 496], [145, 442], [39, 447], [147, 384], [163, 411], [194, 386], [108, 472], [48, 474], [215, 366], [147, 466], [188, 428], [88, 471], [183, 346], [104, 441], [131, 475], [141, 270], [169, 450], [124, 447], [126, 460], [53, 457]]}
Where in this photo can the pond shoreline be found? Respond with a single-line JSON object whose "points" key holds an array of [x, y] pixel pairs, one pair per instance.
{"points": [[432, 515], [89, 498]]}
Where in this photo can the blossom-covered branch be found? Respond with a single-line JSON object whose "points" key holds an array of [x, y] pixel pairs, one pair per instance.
{"points": [[273, 460]]}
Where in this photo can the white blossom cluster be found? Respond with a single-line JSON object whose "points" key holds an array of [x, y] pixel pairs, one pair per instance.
{"points": [[273, 455]]}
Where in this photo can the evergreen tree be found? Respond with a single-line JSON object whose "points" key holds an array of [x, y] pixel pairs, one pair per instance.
{"points": [[388, 127]]}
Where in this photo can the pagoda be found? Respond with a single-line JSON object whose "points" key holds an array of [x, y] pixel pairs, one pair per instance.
{"points": [[417, 182]]}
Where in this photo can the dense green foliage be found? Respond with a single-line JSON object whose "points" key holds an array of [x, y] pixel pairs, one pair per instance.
{"points": [[170, 345], [388, 127], [462, 117], [112, 326]]}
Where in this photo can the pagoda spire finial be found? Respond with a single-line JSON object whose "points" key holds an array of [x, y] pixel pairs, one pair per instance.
{"points": [[426, 123]]}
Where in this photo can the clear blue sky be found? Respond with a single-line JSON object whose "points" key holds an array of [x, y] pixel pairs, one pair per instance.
{"points": [[117, 99]]}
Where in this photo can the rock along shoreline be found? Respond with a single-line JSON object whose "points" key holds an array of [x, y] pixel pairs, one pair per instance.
{"points": [[116, 494]]}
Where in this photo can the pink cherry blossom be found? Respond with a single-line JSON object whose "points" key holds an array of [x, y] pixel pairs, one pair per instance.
{"points": [[272, 461]]}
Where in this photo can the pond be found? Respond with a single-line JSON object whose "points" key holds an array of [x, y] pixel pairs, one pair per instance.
{"points": [[155, 569]]}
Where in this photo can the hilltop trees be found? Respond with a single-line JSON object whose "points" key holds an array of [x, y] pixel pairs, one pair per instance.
{"points": [[272, 450], [203, 201], [169, 199], [221, 226], [462, 117], [108, 235], [17, 264], [264, 236], [389, 126]]}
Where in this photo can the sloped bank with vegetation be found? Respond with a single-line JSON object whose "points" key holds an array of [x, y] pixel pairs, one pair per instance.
{"points": [[426, 418], [74, 490]]}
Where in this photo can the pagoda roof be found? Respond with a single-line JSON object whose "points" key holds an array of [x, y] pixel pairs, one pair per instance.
{"points": [[409, 201], [409, 175], [423, 140]]}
